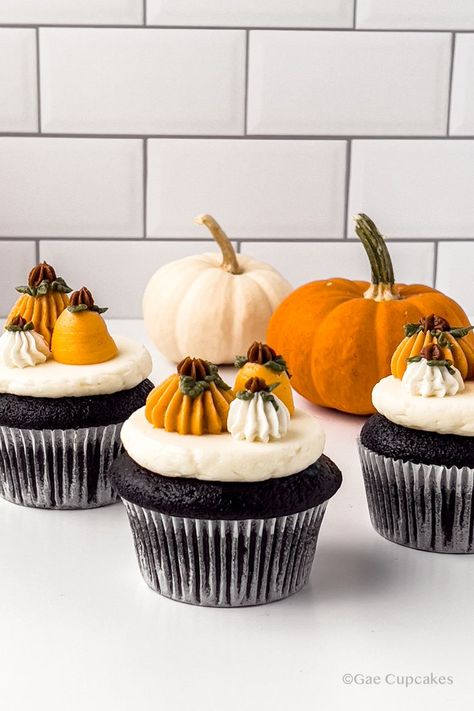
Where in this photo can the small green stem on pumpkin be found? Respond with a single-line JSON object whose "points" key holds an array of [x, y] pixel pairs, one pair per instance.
{"points": [[229, 257], [383, 279]]}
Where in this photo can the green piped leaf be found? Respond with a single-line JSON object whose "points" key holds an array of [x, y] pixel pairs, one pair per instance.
{"points": [[215, 378], [412, 328], [240, 361], [277, 365], [460, 332], [84, 307], [27, 327], [42, 289], [189, 386], [79, 307], [245, 395]]}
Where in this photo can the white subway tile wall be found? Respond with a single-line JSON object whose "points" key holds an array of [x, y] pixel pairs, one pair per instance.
{"points": [[271, 189], [416, 14], [462, 111], [16, 261], [387, 83], [415, 188], [116, 276], [71, 187], [131, 81], [72, 12], [302, 262], [249, 13], [121, 120], [18, 105]]}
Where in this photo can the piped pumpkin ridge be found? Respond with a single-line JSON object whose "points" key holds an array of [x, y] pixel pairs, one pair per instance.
{"points": [[433, 334], [195, 400], [42, 299]]}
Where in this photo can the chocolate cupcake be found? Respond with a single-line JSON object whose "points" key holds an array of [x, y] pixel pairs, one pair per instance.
{"points": [[225, 492], [65, 389], [417, 454]]}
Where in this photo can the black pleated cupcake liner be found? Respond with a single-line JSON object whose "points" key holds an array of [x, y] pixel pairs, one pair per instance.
{"points": [[424, 506], [220, 563], [59, 469]]}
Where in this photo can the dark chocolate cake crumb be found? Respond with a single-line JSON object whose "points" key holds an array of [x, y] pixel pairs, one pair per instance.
{"points": [[418, 446], [63, 413], [195, 498]]}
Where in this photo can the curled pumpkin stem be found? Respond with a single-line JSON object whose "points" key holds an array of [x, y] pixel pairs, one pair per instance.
{"points": [[383, 280], [229, 258]]}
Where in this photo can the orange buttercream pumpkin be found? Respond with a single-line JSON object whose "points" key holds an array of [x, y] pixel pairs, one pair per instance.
{"points": [[338, 336], [261, 361], [42, 300], [80, 336], [435, 331], [195, 400]]}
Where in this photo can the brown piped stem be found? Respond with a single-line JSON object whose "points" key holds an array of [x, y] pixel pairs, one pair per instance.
{"points": [[18, 323], [256, 385], [260, 353], [229, 258], [434, 323], [42, 272], [432, 352], [197, 368], [82, 296], [383, 280]]}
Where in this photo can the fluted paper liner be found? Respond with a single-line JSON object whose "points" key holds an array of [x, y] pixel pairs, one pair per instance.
{"points": [[59, 469], [424, 506], [225, 563]]}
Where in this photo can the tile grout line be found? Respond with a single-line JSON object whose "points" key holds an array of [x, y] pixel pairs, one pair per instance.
{"points": [[246, 88], [347, 187], [354, 16], [37, 251], [145, 186], [450, 86], [435, 262], [262, 28], [144, 13], [38, 79], [242, 240], [238, 137]]}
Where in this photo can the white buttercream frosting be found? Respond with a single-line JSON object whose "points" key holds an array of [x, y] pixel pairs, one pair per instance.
{"points": [[221, 457], [432, 380], [52, 379], [449, 415], [258, 419], [22, 349]]}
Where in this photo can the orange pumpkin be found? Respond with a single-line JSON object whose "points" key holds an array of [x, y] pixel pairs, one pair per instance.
{"points": [[435, 331], [80, 335], [42, 300], [338, 336], [195, 400]]}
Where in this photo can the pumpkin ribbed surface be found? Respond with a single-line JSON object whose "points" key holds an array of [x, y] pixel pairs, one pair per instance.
{"points": [[454, 345], [43, 311], [338, 336]]}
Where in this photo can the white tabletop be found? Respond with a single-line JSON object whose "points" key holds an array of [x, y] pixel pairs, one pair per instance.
{"points": [[80, 630]]}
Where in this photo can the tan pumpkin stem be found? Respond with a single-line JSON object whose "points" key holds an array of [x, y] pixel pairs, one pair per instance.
{"points": [[229, 261], [383, 280]]}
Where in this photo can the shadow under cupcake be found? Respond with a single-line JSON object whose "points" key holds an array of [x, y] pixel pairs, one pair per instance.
{"points": [[223, 518], [417, 454]]}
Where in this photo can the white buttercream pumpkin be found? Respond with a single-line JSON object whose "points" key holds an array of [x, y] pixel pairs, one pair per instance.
{"points": [[210, 304]]}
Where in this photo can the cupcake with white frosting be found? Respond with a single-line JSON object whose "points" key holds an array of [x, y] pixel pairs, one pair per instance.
{"points": [[417, 453], [65, 389], [225, 492]]}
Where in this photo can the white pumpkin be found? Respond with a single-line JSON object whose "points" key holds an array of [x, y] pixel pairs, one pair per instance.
{"points": [[211, 305]]}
